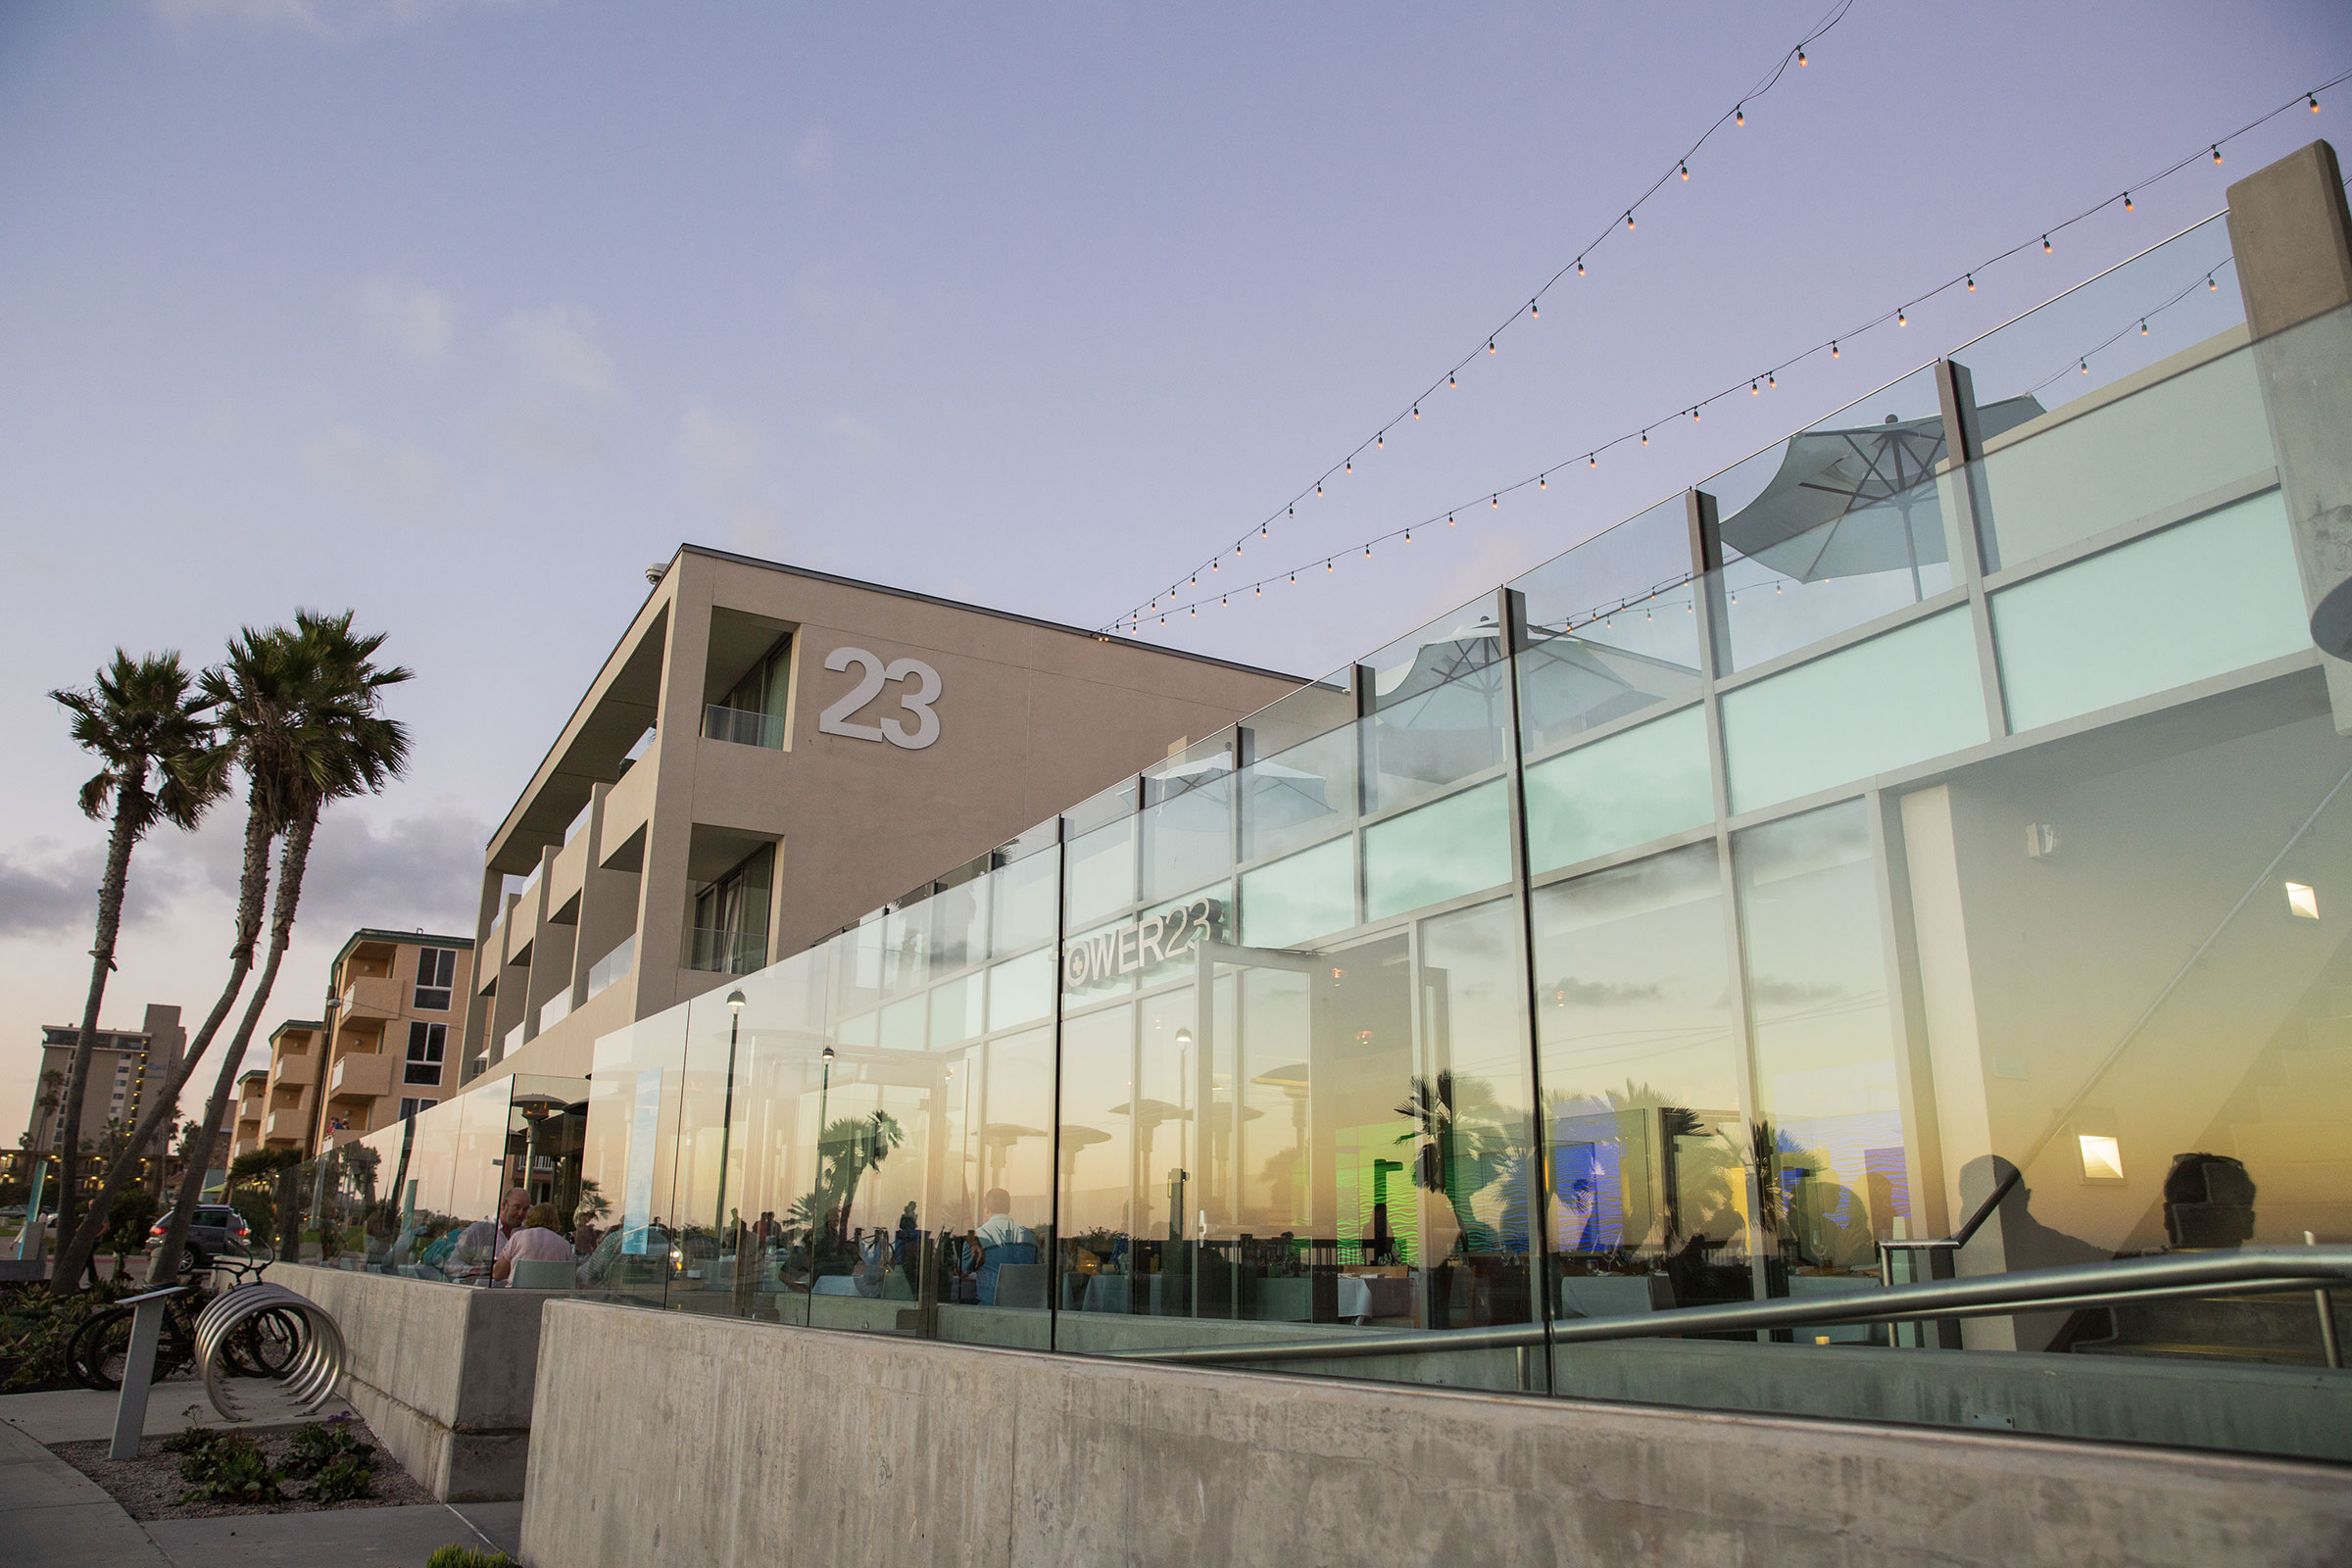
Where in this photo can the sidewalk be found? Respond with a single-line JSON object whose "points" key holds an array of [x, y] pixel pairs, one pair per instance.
{"points": [[57, 1517]]}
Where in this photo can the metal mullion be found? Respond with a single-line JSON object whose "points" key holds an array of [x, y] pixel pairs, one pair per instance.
{"points": [[1061, 891], [1706, 567], [1963, 445], [1511, 617]]}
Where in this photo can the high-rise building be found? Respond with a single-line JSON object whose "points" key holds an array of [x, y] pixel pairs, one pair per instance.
{"points": [[128, 1067]]}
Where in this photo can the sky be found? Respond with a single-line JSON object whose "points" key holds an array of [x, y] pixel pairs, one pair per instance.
{"points": [[461, 313]]}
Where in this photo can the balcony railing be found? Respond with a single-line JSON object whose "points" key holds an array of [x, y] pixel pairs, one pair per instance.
{"points": [[742, 727], [613, 965], [726, 951], [557, 1008]]}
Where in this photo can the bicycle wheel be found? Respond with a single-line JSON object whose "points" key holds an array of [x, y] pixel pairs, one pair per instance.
{"points": [[267, 1344], [99, 1347]]}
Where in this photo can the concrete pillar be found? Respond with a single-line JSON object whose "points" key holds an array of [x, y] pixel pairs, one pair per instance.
{"points": [[2292, 235]]}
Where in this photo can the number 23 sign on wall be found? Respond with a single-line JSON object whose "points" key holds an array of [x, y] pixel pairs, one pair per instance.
{"points": [[916, 698]]}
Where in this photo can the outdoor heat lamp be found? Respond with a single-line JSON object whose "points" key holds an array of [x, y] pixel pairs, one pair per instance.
{"points": [[2332, 621]]}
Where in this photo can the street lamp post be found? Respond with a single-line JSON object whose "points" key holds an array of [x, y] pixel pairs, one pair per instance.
{"points": [[823, 1090], [726, 1116]]}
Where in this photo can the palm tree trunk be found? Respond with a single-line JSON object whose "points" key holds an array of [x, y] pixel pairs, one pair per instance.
{"points": [[75, 1252], [292, 860], [126, 834]]}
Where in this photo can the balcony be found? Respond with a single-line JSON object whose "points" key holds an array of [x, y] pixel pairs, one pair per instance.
{"points": [[740, 727], [726, 951], [292, 1124], [557, 1008], [613, 965], [296, 1068], [361, 1075], [371, 996]]}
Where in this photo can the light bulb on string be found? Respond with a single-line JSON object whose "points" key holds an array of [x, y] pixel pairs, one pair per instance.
{"points": [[1294, 580], [1755, 388], [1367, 552], [2313, 99], [1900, 320], [1212, 565], [1261, 532], [1318, 487], [1770, 382], [1489, 345], [1224, 601], [1833, 347], [1579, 266], [1416, 411], [2086, 366], [1972, 282], [1450, 381], [1533, 313], [1348, 466], [2210, 287], [2217, 152], [2128, 207], [2143, 326], [1543, 481], [1740, 116], [1449, 520], [1380, 442], [1694, 414], [1327, 565], [1800, 58], [1591, 460], [1629, 218], [1646, 438], [1494, 501], [1685, 171], [1408, 536], [1259, 591]]}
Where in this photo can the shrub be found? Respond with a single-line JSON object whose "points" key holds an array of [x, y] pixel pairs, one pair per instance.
{"points": [[230, 1469], [314, 1448], [344, 1480], [193, 1440], [467, 1558]]}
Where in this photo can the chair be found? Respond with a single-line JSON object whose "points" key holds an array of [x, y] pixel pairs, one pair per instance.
{"points": [[1021, 1285], [542, 1274]]}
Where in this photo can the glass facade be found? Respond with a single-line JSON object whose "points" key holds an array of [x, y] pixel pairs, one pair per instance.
{"points": [[1721, 912]]}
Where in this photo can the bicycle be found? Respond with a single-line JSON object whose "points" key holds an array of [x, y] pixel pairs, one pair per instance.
{"points": [[264, 1346]]}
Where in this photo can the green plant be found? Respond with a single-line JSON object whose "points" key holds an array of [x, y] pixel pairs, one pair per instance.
{"points": [[192, 1441], [467, 1558], [314, 1448], [232, 1468], [345, 1480]]}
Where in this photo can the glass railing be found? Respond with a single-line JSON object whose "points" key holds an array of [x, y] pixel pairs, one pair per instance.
{"points": [[742, 727], [726, 951], [614, 964], [554, 1011]]}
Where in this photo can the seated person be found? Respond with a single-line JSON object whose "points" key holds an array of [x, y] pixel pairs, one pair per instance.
{"points": [[482, 1240], [1000, 1241], [538, 1240]]}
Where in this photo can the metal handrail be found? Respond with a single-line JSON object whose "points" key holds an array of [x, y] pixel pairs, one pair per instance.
{"points": [[2083, 1285]]}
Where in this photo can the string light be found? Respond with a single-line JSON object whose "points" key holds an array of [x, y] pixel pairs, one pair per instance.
{"points": [[1740, 116], [1800, 58], [1494, 501], [1836, 345], [1685, 171], [1450, 381], [1755, 388], [1533, 313]]}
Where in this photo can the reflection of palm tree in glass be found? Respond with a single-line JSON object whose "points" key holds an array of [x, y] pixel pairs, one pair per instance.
{"points": [[1462, 1146], [848, 1149]]}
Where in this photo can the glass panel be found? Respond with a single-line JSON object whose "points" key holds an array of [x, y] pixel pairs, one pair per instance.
{"points": [[1460, 845], [1828, 1149], [1020, 991], [1640, 1060], [1602, 641], [1102, 871], [1023, 896], [2146, 444], [2202, 599], [1638, 784], [906, 947], [1838, 525], [1441, 707], [1309, 895], [1299, 796], [958, 926], [1899, 698], [1188, 821], [1302, 715], [628, 1157], [956, 1012], [1098, 1091]]}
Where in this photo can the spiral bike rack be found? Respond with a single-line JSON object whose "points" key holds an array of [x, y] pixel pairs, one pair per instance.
{"points": [[309, 1380]]}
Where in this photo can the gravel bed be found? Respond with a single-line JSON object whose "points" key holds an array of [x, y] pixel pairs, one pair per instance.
{"points": [[149, 1486]]}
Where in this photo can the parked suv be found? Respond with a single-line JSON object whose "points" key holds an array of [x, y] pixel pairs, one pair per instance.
{"points": [[216, 1229]]}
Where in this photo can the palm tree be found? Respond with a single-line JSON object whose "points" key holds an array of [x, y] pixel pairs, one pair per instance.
{"points": [[337, 746], [1462, 1146], [295, 709], [145, 721]]}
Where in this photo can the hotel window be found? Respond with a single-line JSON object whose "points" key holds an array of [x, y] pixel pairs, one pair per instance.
{"points": [[410, 1108], [436, 973], [426, 1041]]}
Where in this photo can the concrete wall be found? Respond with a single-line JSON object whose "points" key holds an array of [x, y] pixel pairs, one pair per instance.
{"points": [[671, 1438], [442, 1372]]}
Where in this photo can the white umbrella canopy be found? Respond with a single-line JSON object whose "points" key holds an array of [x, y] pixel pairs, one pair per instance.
{"points": [[1847, 502]]}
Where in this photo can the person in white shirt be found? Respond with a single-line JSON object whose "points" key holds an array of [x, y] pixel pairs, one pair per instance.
{"points": [[479, 1246], [1000, 1241], [538, 1241]]}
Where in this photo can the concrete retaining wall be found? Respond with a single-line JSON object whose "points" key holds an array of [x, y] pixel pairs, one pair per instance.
{"points": [[666, 1438], [442, 1372]]}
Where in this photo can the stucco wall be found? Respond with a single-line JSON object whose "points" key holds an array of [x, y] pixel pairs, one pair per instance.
{"points": [[670, 1439]]}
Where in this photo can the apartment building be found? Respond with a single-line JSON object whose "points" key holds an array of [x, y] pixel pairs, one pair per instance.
{"points": [[394, 1003], [766, 754], [253, 1099], [126, 1065], [289, 1093]]}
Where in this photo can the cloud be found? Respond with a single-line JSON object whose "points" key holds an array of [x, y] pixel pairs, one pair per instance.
{"points": [[337, 20], [813, 155], [414, 322], [565, 386], [720, 455], [1769, 991], [1599, 993], [47, 890], [422, 869], [861, 437], [398, 473]]}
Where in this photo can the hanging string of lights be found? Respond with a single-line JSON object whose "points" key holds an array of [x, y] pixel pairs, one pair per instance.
{"points": [[1735, 117], [1165, 604]]}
